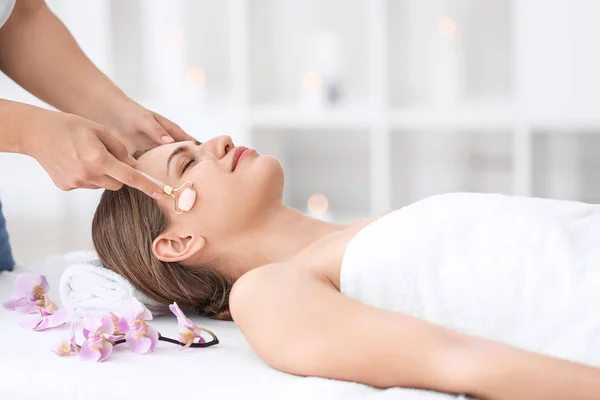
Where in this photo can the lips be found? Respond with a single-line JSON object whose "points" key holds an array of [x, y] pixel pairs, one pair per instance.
{"points": [[237, 153]]}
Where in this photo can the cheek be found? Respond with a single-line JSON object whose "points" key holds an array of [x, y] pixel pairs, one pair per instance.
{"points": [[214, 192], [224, 200]]}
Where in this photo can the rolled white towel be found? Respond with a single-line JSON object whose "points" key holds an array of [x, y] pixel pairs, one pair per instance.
{"points": [[90, 288]]}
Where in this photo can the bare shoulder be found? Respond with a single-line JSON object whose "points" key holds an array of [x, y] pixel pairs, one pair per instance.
{"points": [[247, 289], [269, 288], [269, 304]]}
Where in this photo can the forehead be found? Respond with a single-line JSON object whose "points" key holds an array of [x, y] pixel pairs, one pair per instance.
{"points": [[154, 161]]}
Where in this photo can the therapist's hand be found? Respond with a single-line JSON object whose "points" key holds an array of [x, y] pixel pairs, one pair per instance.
{"points": [[79, 153], [137, 127]]}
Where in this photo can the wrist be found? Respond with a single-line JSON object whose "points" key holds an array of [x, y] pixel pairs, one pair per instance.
{"points": [[15, 133], [103, 104]]}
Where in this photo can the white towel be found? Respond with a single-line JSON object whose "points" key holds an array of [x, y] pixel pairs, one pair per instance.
{"points": [[523, 271], [90, 288]]}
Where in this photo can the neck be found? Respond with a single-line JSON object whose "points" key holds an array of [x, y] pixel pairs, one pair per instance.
{"points": [[279, 237]]}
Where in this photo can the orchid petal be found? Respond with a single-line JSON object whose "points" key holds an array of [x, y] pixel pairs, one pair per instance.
{"points": [[153, 335], [49, 305], [87, 354], [59, 317], [185, 335], [30, 308], [115, 320], [105, 351], [188, 331], [13, 304], [91, 323], [95, 341], [44, 324], [177, 311], [73, 329], [146, 315], [133, 309], [123, 325], [141, 345], [86, 333], [72, 342], [129, 308], [44, 283], [107, 326], [24, 284], [62, 348]]}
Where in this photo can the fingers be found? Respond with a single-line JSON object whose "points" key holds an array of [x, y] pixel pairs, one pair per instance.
{"points": [[155, 131], [126, 175], [116, 148], [172, 128], [109, 183]]}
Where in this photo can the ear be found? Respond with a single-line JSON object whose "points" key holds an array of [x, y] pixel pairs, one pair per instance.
{"points": [[172, 248]]}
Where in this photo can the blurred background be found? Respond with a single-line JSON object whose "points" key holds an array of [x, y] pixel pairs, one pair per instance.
{"points": [[369, 104]]}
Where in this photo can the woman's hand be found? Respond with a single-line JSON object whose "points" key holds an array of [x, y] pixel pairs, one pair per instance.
{"points": [[76, 152], [137, 127]]}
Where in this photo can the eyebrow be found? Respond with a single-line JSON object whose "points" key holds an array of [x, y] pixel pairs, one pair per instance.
{"points": [[181, 149]]}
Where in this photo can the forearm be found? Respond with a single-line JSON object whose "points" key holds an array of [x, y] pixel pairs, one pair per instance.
{"points": [[503, 372], [13, 132], [39, 53]]}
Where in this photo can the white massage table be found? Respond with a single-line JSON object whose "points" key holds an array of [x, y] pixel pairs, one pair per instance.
{"points": [[229, 370]]}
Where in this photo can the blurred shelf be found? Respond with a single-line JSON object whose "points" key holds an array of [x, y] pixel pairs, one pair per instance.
{"points": [[486, 117], [566, 125], [290, 117]]}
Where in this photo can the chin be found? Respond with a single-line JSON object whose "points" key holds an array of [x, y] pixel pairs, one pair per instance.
{"points": [[267, 179]]}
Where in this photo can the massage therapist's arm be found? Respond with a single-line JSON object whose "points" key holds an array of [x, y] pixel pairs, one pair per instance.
{"points": [[88, 145], [76, 152], [301, 325], [38, 52]]}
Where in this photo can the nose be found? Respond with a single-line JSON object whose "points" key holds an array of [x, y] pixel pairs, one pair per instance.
{"points": [[223, 144]]}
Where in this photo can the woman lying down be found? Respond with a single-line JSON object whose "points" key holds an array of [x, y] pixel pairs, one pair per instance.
{"points": [[490, 295]]}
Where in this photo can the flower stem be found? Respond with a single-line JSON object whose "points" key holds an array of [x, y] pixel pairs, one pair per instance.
{"points": [[214, 340]]}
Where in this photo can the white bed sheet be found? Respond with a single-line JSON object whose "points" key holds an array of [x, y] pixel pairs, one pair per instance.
{"points": [[229, 370]]}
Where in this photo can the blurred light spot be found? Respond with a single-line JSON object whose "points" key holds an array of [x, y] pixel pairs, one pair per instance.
{"points": [[318, 204], [176, 36], [312, 81], [195, 76], [446, 26]]}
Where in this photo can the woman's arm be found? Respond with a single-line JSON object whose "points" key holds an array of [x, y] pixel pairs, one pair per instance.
{"points": [[300, 324], [38, 52]]}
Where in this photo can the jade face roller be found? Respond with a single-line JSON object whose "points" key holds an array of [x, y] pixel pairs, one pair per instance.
{"points": [[184, 195]]}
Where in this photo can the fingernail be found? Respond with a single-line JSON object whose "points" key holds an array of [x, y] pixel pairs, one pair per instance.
{"points": [[156, 195], [167, 139]]}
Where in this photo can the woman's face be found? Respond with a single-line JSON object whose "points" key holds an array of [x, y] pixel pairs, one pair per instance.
{"points": [[234, 185]]}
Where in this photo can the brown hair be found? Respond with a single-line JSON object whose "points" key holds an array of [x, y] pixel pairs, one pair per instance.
{"points": [[125, 224]]}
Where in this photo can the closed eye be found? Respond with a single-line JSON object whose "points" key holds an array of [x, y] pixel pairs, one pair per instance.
{"points": [[188, 164]]}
